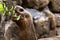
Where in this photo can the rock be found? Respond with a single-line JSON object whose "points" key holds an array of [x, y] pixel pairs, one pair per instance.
{"points": [[19, 2], [44, 22], [51, 38], [11, 31], [58, 19], [58, 22], [58, 30], [40, 22], [8, 4], [37, 4], [2, 23], [54, 5]]}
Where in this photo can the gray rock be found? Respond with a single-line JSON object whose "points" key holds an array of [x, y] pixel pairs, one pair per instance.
{"points": [[41, 22], [51, 38], [58, 19], [35, 3], [55, 5]]}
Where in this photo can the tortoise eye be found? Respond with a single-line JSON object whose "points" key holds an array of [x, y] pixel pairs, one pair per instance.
{"points": [[21, 10]]}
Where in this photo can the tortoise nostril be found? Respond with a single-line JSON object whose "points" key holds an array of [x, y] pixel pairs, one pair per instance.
{"points": [[21, 10]]}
